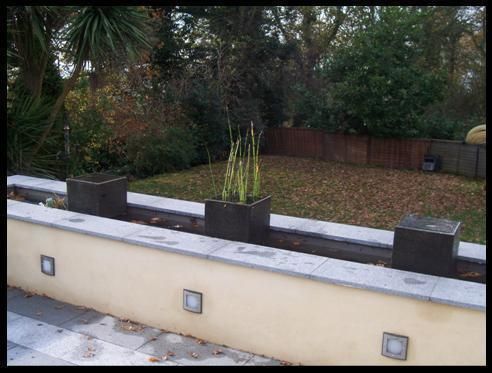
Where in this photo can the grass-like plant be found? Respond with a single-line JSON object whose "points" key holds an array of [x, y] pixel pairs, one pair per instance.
{"points": [[244, 154]]}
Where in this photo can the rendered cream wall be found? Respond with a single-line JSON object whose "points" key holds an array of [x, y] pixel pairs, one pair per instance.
{"points": [[289, 318]]}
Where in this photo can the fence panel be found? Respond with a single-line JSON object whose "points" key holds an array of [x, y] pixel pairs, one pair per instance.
{"points": [[449, 151], [334, 147], [467, 160], [482, 161], [356, 149], [456, 157]]}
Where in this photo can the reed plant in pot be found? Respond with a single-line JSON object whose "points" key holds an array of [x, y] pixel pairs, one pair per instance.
{"points": [[240, 212]]}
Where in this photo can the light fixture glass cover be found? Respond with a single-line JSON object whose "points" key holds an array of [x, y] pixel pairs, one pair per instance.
{"points": [[192, 301], [395, 346], [48, 265]]}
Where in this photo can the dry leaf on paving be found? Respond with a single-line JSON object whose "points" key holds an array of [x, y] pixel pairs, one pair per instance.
{"points": [[153, 359], [470, 274], [285, 363], [201, 342], [170, 353], [194, 355], [217, 352]]}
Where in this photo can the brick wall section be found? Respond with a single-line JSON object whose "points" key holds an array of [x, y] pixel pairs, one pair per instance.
{"points": [[456, 157]]}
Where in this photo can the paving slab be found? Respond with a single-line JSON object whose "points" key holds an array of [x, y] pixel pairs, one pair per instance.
{"points": [[11, 316], [111, 329], [98, 226], [25, 356], [175, 241], [13, 292], [263, 361], [375, 278], [268, 258], [73, 347], [191, 351], [460, 293], [25, 181], [35, 213], [44, 309]]}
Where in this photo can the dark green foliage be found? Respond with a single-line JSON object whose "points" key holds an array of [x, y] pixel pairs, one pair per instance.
{"points": [[208, 124], [93, 147], [160, 150], [26, 119], [379, 82]]}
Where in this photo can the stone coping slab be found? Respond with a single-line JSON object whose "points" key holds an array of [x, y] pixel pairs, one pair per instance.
{"points": [[334, 231], [338, 272]]}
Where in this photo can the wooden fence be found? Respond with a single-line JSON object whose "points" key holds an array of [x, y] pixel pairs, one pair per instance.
{"points": [[456, 157]]}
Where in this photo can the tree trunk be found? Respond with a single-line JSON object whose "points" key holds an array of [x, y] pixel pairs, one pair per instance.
{"points": [[69, 84], [33, 76]]}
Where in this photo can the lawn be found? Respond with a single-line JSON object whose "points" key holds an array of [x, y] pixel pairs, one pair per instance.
{"points": [[343, 193]]}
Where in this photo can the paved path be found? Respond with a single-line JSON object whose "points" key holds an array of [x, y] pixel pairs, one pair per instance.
{"points": [[43, 331]]}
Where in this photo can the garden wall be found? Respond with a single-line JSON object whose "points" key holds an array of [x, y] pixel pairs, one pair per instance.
{"points": [[457, 157], [291, 306]]}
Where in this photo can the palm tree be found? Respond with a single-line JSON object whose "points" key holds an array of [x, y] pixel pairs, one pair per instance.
{"points": [[90, 34]]}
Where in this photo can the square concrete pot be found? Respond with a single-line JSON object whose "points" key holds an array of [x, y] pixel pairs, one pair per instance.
{"points": [[238, 221], [97, 194], [426, 245]]}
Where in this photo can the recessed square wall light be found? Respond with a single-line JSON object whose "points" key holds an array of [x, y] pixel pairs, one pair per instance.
{"points": [[48, 265], [395, 346], [192, 301]]}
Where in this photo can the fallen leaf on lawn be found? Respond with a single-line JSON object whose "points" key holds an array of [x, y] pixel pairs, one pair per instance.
{"points": [[217, 352], [194, 355], [153, 359]]}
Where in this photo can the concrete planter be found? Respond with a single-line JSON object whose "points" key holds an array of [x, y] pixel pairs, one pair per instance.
{"points": [[238, 221], [97, 194], [426, 245]]}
